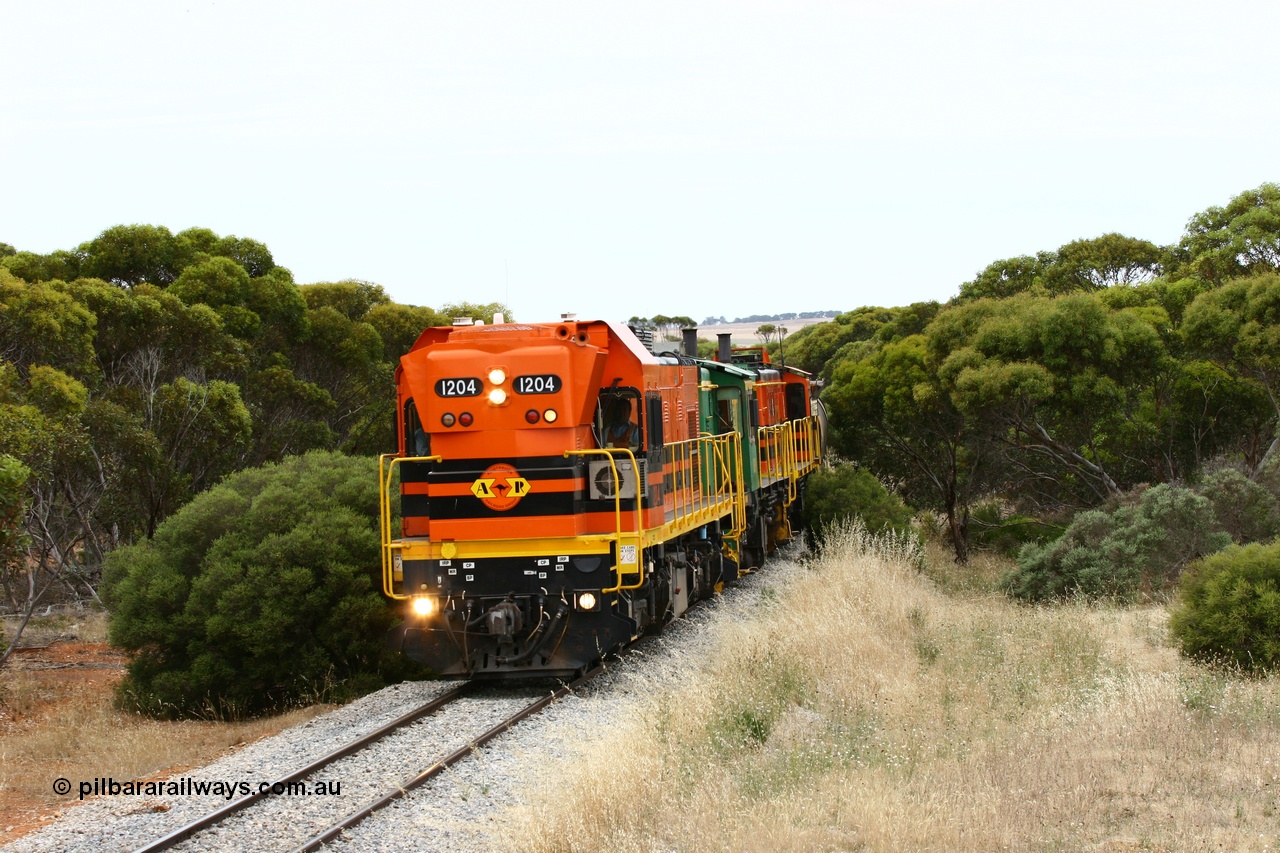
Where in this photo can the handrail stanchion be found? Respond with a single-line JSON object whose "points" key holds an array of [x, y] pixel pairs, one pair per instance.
{"points": [[387, 463], [617, 510]]}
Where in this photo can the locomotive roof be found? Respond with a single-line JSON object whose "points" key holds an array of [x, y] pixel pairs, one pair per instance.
{"points": [[725, 367]]}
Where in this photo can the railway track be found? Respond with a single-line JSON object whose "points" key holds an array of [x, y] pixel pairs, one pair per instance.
{"points": [[316, 842], [319, 832], [474, 806]]}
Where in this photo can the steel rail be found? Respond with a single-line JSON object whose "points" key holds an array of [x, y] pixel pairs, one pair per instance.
{"points": [[444, 764], [183, 833]]}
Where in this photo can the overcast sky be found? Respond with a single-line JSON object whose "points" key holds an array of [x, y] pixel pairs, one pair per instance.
{"points": [[618, 159]]}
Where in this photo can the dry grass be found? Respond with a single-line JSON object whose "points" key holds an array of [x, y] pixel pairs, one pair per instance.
{"points": [[865, 709], [81, 624], [71, 730], [61, 723], [980, 576]]}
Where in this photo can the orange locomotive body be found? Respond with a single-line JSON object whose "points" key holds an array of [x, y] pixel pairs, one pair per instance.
{"points": [[562, 489]]}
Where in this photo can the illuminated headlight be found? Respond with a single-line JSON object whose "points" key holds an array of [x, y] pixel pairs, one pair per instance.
{"points": [[497, 397], [550, 416], [497, 376], [587, 601], [422, 605]]}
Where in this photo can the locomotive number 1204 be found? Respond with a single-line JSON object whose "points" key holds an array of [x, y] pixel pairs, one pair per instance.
{"points": [[540, 383], [465, 387]]}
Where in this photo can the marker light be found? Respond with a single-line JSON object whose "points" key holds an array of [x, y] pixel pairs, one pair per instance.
{"points": [[532, 416], [465, 419], [550, 416], [497, 376], [422, 605], [587, 601], [497, 397], [447, 419]]}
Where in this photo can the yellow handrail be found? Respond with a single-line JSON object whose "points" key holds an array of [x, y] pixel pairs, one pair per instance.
{"points": [[787, 450], [386, 467], [771, 463], [708, 487], [727, 464], [617, 509], [709, 470]]}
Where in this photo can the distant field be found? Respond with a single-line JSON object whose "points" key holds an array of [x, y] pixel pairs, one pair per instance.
{"points": [[745, 333]]}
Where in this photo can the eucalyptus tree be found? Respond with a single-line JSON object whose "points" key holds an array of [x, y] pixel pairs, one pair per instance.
{"points": [[893, 415], [352, 298], [1007, 277], [1238, 326], [1240, 239], [344, 359], [1102, 262], [32, 267], [39, 324], [1063, 382], [399, 326], [253, 256], [127, 255], [814, 346]]}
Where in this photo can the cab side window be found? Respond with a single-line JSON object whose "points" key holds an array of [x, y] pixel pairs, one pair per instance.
{"points": [[617, 420], [416, 440]]}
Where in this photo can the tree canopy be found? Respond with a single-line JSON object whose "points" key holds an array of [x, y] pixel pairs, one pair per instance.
{"points": [[1063, 379], [143, 366]]}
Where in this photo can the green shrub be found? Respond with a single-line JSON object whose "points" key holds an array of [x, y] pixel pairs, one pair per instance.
{"points": [[843, 491], [990, 527], [1244, 509], [1228, 609], [1136, 551], [261, 593]]}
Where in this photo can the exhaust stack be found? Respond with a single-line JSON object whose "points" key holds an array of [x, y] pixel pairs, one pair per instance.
{"points": [[690, 342]]}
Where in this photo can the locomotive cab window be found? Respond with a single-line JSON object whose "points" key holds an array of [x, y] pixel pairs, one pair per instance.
{"points": [[618, 418], [416, 440], [727, 410]]}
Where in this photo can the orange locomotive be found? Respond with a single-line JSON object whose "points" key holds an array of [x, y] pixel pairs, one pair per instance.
{"points": [[562, 489]]}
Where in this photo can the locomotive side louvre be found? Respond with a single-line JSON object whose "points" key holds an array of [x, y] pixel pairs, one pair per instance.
{"points": [[561, 490]]}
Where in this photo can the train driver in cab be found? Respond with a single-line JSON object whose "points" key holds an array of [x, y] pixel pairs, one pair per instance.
{"points": [[620, 431]]}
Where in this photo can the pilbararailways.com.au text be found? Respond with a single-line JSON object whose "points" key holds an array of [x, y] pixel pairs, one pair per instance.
{"points": [[188, 787]]}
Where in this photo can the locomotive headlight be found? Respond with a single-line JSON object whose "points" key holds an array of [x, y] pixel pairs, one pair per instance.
{"points": [[550, 416], [422, 605], [497, 397], [587, 601], [497, 376]]}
